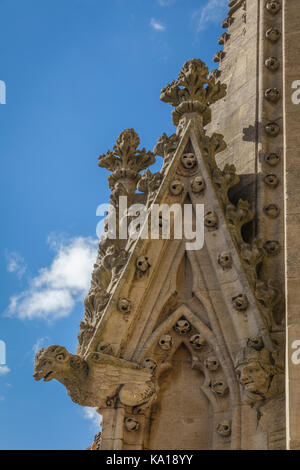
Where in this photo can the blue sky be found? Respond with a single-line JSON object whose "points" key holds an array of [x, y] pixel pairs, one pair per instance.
{"points": [[77, 73]]}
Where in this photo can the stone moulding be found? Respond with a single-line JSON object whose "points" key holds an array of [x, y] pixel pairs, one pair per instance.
{"points": [[122, 358]]}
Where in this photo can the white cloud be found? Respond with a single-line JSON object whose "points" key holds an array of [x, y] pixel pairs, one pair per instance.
{"points": [[156, 25], [37, 346], [53, 293], [4, 370], [15, 263], [93, 416], [211, 13]]}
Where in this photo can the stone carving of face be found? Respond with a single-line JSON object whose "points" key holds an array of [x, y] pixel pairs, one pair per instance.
{"points": [[219, 387], [143, 264], [182, 327], [272, 159], [176, 187], [166, 342], [211, 220], [188, 161], [124, 305], [149, 364], [272, 63], [240, 303], [254, 378], [198, 185], [197, 341], [272, 94], [131, 424], [273, 34], [211, 363], [225, 260], [224, 428], [273, 6]]}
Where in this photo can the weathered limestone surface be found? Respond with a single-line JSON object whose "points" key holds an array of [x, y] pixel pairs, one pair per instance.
{"points": [[195, 340], [291, 18]]}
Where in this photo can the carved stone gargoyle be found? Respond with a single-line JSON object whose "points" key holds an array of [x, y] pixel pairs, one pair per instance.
{"points": [[96, 380]]}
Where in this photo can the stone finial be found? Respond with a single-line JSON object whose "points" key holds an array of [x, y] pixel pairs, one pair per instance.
{"points": [[193, 92], [126, 161]]}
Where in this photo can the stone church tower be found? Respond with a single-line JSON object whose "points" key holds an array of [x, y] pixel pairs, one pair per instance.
{"points": [[181, 346]]}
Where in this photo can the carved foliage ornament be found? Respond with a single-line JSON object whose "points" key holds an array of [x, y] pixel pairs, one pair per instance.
{"points": [[193, 91], [125, 160]]}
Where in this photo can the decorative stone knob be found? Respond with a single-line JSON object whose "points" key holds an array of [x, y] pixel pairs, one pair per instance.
{"points": [[198, 185], [219, 387], [188, 161], [224, 428], [272, 94], [211, 220], [176, 187], [197, 341], [240, 302], [143, 264], [166, 342], [272, 63], [211, 363], [273, 34], [271, 180], [272, 129], [149, 363], [124, 305], [131, 424], [272, 210], [272, 247], [182, 326], [272, 159], [273, 6], [225, 260]]}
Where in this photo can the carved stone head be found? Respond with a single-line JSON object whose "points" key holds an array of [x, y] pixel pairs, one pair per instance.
{"points": [[55, 362], [271, 180], [188, 161], [211, 363], [240, 302], [166, 342], [124, 306], [211, 220], [272, 94], [198, 184], [176, 187], [182, 326], [272, 210], [273, 6], [273, 34], [225, 260], [255, 372], [224, 428], [197, 341], [272, 159], [142, 264], [149, 363], [272, 129], [131, 424], [219, 387], [272, 63]]}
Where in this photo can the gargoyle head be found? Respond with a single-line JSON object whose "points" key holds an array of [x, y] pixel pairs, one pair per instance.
{"points": [[51, 363]]}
